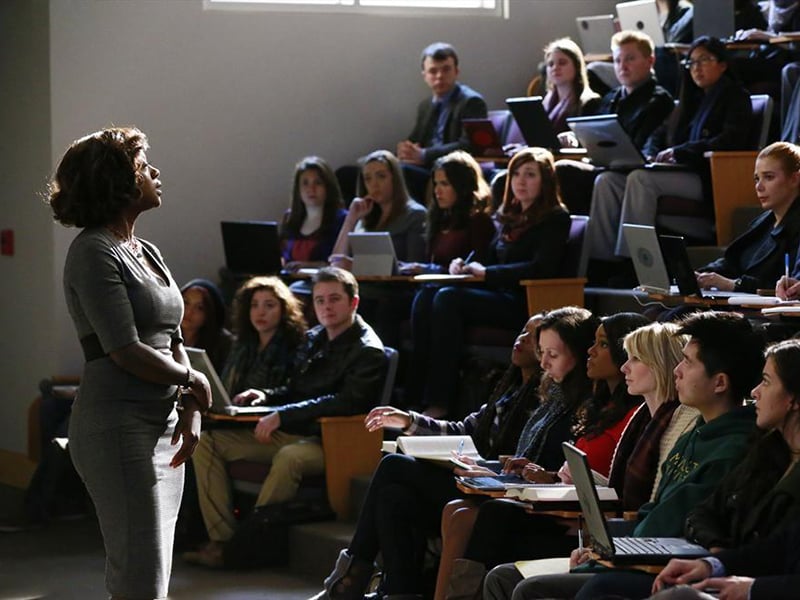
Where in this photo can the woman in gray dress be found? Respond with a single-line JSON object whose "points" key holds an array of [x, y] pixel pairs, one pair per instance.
{"points": [[130, 431]]}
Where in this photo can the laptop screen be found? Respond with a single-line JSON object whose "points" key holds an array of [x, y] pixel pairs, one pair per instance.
{"points": [[533, 122], [251, 247]]}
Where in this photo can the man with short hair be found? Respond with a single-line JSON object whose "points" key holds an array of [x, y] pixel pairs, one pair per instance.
{"points": [[339, 370], [438, 130]]}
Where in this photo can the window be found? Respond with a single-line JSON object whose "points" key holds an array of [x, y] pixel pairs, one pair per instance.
{"points": [[497, 8]]}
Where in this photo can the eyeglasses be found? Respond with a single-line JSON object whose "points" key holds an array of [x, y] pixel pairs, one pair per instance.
{"points": [[700, 62]]}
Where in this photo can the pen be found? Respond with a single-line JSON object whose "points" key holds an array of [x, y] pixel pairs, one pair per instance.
{"points": [[786, 266], [460, 447], [580, 539], [471, 254]]}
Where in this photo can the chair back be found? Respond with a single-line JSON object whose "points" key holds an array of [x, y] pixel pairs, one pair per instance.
{"points": [[498, 186], [762, 117], [575, 259], [392, 360]]}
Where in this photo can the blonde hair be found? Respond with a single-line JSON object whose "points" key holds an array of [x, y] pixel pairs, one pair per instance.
{"points": [[643, 41], [659, 346], [583, 92], [786, 153]]}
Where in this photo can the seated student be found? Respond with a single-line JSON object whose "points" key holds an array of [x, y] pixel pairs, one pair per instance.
{"points": [[757, 258], [406, 496], [721, 363], [438, 129], [714, 114], [530, 245], [653, 352], [761, 495], [598, 426], [382, 204], [338, 369], [639, 102], [203, 323], [311, 225]]}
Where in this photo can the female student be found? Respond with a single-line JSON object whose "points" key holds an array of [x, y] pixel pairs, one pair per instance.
{"points": [[406, 496], [762, 494], [534, 226], [653, 352], [757, 258], [311, 225], [714, 113], [568, 91], [203, 323], [383, 204]]}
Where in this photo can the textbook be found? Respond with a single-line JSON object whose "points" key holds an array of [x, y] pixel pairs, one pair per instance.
{"points": [[439, 448], [556, 492]]}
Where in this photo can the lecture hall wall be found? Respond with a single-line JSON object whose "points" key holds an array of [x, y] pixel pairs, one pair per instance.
{"points": [[230, 101]]}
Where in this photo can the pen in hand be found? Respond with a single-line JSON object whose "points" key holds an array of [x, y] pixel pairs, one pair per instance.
{"points": [[466, 261], [460, 447], [786, 267]]}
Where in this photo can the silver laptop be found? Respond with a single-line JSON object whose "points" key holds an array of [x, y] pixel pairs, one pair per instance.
{"points": [[595, 33], [641, 15], [220, 400], [373, 253], [620, 550]]}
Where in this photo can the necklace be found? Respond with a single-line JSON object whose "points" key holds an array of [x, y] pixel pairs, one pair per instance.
{"points": [[128, 240]]}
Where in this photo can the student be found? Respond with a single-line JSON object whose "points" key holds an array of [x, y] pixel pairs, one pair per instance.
{"points": [[720, 364], [203, 323], [761, 495], [406, 496], [639, 102], [714, 113], [382, 204], [437, 129], [338, 370], [311, 225], [758, 257], [530, 245]]}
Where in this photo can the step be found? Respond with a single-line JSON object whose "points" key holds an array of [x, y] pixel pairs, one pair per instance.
{"points": [[314, 547]]}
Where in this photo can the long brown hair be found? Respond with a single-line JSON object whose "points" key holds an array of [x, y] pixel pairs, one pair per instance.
{"points": [[399, 190], [510, 213], [333, 195]]}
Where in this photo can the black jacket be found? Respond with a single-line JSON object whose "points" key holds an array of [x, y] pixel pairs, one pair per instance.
{"points": [[333, 378], [758, 256], [641, 112], [465, 103]]}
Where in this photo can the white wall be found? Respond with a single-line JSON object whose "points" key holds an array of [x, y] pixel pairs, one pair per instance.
{"points": [[230, 101]]}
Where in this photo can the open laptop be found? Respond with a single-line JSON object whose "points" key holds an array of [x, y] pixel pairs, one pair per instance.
{"points": [[609, 145], [251, 247], [373, 253], [220, 400], [533, 123], [620, 550], [484, 139], [715, 18], [595, 33], [661, 259], [642, 15]]}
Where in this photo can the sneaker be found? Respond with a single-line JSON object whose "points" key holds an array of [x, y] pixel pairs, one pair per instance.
{"points": [[209, 555]]}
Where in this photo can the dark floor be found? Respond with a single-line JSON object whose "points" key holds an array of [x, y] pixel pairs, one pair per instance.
{"points": [[64, 561]]}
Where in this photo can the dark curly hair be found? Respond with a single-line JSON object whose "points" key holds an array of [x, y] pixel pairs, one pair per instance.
{"points": [[292, 321], [96, 179]]}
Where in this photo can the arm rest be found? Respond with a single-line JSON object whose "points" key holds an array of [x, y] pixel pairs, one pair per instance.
{"points": [[350, 450], [547, 294], [732, 182]]}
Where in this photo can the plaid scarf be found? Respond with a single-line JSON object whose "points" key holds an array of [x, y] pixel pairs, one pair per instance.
{"points": [[549, 412]]}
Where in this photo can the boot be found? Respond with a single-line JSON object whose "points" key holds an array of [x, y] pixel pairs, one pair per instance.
{"points": [[348, 580], [466, 580]]}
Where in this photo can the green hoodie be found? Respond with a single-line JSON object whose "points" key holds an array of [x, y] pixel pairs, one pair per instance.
{"points": [[697, 462]]}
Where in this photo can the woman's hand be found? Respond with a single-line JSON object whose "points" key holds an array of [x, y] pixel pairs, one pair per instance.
{"points": [[579, 556], [666, 156], [360, 207], [475, 269], [568, 140], [340, 260], [706, 281], [387, 416], [752, 34], [515, 465], [410, 268], [251, 397], [187, 431], [787, 288], [456, 266], [564, 475], [536, 474], [199, 387]]}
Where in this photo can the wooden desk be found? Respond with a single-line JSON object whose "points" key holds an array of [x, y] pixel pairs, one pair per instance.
{"points": [[548, 294]]}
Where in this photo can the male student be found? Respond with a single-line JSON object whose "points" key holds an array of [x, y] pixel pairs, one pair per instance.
{"points": [[640, 103], [438, 130], [339, 370], [721, 363]]}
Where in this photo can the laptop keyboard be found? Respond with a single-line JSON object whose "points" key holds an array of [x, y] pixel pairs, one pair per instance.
{"points": [[632, 545]]}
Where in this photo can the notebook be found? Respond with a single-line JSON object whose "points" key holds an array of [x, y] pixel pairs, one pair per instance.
{"points": [[595, 33], [373, 253], [484, 139], [220, 401], [533, 122], [660, 260], [251, 247], [642, 15], [609, 145], [620, 550]]}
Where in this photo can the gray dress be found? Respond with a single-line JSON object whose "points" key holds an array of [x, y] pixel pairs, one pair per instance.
{"points": [[121, 426]]}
